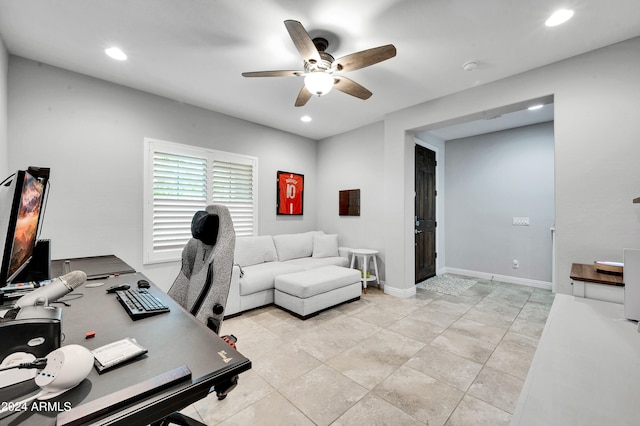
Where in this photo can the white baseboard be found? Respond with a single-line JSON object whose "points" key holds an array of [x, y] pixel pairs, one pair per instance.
{"points": [[403, 293], [503, 278]]}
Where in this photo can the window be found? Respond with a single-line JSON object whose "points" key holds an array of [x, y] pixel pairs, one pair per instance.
{"points": [[180, 180]]}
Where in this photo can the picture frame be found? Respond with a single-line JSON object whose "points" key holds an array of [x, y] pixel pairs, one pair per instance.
{"points": [[290, 193], [349, 202]]}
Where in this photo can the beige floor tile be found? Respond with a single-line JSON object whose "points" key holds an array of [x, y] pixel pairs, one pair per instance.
{"points": [[473, 412], [542, 296], [511, 361], [487, 315], [497, 388], [272, 410], [383, 360], [445, 366], [323, 394], [480, 289], [377, 316], [278, 370], [535, 312], [442, 319], [375, 358], [375, 411], [417, 330], [519, 342], [251, 388], [465, 346], [513, 298], [421, 396], [487, 333], [529, 328], [454, 304]]}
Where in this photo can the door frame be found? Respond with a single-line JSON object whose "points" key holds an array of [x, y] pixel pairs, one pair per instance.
{"points": [[440, 258]]}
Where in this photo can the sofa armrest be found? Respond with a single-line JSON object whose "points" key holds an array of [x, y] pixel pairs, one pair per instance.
{"points": [[345, 252], [233, 300]]}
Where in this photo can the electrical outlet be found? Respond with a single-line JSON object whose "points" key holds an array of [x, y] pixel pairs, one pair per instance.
{"points": [[515, 263], [520, 221]]}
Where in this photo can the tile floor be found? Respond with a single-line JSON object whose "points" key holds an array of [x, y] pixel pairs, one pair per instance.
{"points": [[431, 359]]}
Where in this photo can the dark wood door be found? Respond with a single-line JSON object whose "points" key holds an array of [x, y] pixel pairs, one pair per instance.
{"points": [[425, 213]]}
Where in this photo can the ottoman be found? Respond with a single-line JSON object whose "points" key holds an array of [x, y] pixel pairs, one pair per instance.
{"points": [[306, 293]]}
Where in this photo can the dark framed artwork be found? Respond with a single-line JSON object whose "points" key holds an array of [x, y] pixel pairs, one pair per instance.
{"points": [[349, 202], [290, 196]]}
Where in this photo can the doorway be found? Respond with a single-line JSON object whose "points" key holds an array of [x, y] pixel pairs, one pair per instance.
{"points": [[425, 213]]}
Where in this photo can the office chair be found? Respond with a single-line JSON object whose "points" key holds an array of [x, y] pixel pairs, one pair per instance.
{"points": [[202, 286]]}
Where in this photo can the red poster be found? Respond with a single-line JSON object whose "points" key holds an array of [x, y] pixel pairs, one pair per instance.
{"points": [[290, 193]]}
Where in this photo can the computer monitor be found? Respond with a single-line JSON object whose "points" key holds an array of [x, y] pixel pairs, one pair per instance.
{"points": [[22, 199]]}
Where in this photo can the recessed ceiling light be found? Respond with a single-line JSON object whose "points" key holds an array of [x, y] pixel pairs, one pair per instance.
{"points": [[559, 17], [305, 118], [116, 53], [534, 107]]}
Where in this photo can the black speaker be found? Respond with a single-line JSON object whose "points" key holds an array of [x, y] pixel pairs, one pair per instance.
{"points": [[36, 330]]}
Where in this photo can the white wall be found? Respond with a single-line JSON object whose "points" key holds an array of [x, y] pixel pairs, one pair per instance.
{"points": [[4, 145], [353, 160], [91, 134], [490, 179], [596, 100]]}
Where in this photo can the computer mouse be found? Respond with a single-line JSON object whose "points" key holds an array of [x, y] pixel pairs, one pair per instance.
{"points": [[118, 287], [143, 284]]}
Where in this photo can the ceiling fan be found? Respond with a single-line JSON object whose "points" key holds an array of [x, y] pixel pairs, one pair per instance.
{"points": [[320, 68]]}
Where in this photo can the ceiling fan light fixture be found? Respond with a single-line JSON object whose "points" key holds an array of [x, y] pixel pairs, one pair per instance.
{"points": [[116, 53], [559, 17], [318, 82]]}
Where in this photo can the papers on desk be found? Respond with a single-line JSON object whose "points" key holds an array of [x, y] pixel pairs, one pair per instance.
{"points": [[116, 353]]}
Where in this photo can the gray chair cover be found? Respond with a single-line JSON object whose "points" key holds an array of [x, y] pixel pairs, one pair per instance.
{"points": [[203, 264]]}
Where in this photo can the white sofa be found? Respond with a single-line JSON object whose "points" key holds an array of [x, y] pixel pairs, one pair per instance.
{"points": [[259, 260]]}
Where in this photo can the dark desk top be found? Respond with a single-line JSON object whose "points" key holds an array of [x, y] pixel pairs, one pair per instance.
{"points": [[588, 273], [173, 339], [94, 266]]}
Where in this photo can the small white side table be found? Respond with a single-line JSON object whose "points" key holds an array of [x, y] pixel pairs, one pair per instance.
{"points": [[365, 254]]}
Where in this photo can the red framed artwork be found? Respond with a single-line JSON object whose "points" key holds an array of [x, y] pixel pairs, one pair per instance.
{"points": [[290, 196]]}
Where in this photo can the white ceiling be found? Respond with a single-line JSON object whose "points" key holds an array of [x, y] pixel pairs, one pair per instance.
{"points": [[194, 51]]}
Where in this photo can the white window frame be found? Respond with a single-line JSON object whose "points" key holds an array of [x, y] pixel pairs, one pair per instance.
{"points": [[151, 146]]}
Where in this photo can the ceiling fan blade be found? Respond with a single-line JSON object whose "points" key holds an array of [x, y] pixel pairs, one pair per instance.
{"points": [[365, 58], [303, 96], [302, 41], [273, 73], [350, 87]]}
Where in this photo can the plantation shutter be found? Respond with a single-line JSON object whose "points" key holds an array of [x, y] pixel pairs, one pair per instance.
{"points": [[182, 179], [179, 190], [233, 187]]}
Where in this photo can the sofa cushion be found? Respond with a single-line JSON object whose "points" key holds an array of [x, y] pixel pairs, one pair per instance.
{"points": [[325, 245], [322, 280], [254, 250], [294, 246], [261, 277], [307, 263]]}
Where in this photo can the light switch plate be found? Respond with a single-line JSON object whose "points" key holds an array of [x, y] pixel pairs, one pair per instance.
{"points": [[520, 221]]}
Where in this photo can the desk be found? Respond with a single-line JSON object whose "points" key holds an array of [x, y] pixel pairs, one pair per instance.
{"points": [[585, 370], [589, 283], [173, 339]]}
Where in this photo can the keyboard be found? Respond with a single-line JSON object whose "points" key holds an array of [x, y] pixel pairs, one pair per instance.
{"points": [[140, 303]]}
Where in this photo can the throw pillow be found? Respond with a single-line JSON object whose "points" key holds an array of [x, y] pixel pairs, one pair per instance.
{"points": [[325, 245]]}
